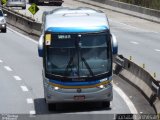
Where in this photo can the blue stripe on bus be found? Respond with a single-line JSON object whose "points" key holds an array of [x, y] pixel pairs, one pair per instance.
{"points": [[75, 83], [77, 29]]}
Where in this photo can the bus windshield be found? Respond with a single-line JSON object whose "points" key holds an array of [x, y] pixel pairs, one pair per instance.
{"points": [[79, 55]]}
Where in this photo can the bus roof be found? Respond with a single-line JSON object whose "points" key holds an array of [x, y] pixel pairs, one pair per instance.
{"points": [[75, 20]]}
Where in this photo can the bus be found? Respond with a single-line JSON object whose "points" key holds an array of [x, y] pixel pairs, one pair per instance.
{"points": [[77, 49]]}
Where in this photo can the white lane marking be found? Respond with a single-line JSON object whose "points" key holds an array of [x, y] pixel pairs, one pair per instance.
{"points": [[1, 61], [8, 68], [26, 37], [133, 42], [126, 99], [32, 112], [24, 89], [132, 27], [157, 50], [29, 100], [17, 78]]}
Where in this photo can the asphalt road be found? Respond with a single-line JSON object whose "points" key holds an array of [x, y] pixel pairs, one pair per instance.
{"points": [[21, 89], [136, 37]]}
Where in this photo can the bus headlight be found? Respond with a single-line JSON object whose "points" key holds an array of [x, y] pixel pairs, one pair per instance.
{"points": [[56, 88], [52, 88], [101, 86]]}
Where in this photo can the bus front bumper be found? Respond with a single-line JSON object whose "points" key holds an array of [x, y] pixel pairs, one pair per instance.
{"points": [[78, 95]]}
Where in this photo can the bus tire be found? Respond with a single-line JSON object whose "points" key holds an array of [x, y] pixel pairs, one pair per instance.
{"points": [[106, 104], [4, 30], [51, 106]]}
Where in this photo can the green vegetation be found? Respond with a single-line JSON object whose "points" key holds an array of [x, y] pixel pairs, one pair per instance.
{"points": [[153, 4]]}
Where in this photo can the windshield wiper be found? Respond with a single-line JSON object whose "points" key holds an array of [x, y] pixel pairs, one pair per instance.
{"points": [[68, 65], [87, 66]]}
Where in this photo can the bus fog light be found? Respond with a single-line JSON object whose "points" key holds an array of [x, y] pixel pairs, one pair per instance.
{"points": [[101, 86]]}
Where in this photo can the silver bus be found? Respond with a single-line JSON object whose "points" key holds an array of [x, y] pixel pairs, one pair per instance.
{"points": [[77, 46]]}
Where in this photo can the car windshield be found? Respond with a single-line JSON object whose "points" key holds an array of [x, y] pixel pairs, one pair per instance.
{"points": [[75, 55], [1, 14]]}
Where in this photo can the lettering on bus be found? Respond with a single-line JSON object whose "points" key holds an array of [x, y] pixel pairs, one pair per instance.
{"points": [[64, 36]]}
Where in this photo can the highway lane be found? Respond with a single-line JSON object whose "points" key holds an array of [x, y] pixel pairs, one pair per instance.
{"points": [[24, 93], [12, 100], [137, 37], [142, 46]]}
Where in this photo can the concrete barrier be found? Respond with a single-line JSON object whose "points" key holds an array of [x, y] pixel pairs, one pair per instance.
{"points": [[22, 22], [140, 78]]}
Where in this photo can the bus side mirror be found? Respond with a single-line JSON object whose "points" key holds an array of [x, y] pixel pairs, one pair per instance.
{"points": [[40, 46], [114, 45]]}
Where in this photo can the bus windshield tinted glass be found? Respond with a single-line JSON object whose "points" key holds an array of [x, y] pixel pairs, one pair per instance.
{"points": [[83, 55]]}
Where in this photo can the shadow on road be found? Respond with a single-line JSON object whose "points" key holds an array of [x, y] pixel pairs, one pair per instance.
{"points": [[41, 107]]}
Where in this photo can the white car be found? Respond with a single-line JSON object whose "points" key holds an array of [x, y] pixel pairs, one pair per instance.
{"points": [[3, 25]]}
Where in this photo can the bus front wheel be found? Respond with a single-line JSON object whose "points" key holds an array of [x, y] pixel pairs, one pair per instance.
{"points": [[51, 106], [106, 104]]}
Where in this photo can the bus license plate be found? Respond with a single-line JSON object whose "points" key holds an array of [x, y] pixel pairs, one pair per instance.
{"points": [[79, 98]]}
